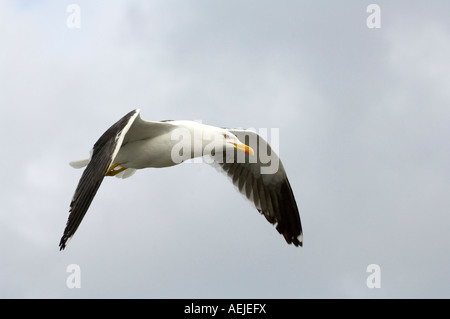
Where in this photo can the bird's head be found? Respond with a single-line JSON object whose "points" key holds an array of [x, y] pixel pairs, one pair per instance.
{"points": [[228, 140]]}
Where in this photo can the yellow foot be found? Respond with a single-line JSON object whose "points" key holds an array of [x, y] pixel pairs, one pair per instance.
{"points": [[112, 171]]}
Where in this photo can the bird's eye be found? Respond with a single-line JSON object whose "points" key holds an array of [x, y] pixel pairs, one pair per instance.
{"points": [[225, 136]]}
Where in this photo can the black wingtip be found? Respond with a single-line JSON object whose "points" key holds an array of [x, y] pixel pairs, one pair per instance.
{"points": [[298, 241], [62, 243]]}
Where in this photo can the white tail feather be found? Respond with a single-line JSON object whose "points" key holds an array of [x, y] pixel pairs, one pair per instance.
{"points": [[80, 163]]}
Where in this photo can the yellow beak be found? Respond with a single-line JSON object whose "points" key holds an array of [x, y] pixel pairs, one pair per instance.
{"points": [[245, 148]]}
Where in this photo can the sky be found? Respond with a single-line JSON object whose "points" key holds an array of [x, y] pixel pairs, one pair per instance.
{"points": [[363, 115]]}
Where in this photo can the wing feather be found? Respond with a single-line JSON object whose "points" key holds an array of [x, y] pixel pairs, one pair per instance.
{"points": [[104, 152], [270, 193]]}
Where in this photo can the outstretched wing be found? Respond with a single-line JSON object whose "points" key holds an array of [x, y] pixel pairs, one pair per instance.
{"points": [[103, 154], [262, 179]]}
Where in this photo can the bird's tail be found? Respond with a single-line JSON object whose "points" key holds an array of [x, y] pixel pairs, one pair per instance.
{"points": [[80, 163]]}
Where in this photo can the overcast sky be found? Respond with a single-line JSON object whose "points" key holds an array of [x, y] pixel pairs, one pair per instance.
{"points": [[364, 124]]}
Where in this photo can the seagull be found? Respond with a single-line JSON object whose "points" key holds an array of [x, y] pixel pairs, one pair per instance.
{"points": [[132, 143]]}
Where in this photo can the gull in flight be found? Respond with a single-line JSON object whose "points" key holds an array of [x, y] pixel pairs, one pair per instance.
{"points": [[132, 143]]}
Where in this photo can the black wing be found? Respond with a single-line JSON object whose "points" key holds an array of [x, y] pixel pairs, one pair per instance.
{"points": [[104, 151], [271, 191]]}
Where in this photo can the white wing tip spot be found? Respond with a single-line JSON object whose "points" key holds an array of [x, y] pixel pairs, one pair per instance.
{"points": [[300, 238]]}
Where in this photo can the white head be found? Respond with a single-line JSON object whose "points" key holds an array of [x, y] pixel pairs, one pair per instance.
{"points": [[193, 139], [222, 139]]}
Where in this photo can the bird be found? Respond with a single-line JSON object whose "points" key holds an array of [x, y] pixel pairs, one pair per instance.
{"points": [[133, 143]]}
